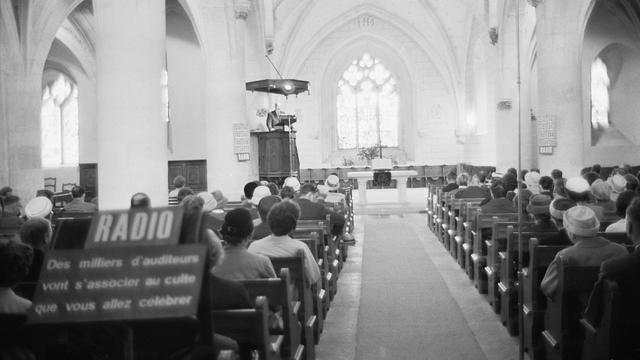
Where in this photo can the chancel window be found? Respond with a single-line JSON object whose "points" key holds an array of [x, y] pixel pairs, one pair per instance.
{"points": [[367, 105], [59, 123], [600, 104]]}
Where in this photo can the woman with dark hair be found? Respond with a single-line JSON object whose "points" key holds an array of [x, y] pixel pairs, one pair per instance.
{"points": [[36, 232], [15, 261], [282, 219], [238, 262]]}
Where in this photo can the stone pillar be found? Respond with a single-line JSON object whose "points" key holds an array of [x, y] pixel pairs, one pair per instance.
{"points": [[559, 82], [225, 46], [132, 151], [21, 94]]}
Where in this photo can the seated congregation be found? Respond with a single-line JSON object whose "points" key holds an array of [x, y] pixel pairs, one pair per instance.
{"points": [[271, 270], [556, 258]]}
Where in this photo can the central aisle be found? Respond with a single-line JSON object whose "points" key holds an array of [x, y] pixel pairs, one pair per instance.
{"points": [[402, 296], [406, 310]]}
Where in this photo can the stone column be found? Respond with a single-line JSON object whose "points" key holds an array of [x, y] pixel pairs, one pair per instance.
{"points": [[559, 82], [21, 164], [132, 151], [224, 33]]}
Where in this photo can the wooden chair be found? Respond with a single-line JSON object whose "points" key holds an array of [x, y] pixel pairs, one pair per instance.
{"points": [[50, 184], [250, 328], [562, 337], [532, 303], [295, 264], [68, 186], [279, 293], [325, 291]]}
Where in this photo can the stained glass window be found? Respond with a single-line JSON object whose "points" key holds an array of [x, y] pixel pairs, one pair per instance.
{"points": [[367, 105], [599, 95], [59, 120]]}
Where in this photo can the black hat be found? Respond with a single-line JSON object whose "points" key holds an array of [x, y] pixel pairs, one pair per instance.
{"points": [[237, 223]]}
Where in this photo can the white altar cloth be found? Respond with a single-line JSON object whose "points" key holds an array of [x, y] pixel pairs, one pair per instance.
{"points": [[400, 176]]}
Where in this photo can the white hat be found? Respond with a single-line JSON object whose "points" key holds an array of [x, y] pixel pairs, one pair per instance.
{"points": [[581, 221], [259, 192], [292, 182], [210, 202], [532, 178], [40, 206], [618, 183], [577, 185], [333, 182], [323, 189]]}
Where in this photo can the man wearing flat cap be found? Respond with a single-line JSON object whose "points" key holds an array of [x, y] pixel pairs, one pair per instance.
{"points": [[588, 248]]}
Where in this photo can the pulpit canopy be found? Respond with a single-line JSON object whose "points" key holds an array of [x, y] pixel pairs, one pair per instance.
{"points": [[284, 87]]}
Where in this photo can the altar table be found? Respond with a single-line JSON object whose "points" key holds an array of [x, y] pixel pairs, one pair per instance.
{"points": [[401, 177]]}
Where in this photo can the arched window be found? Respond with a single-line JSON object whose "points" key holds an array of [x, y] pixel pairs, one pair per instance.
{"points": [[59, 119], [367, 105], [599, 94]]}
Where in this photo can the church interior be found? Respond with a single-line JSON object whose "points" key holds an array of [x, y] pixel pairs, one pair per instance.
{"points": [[447, 142]]}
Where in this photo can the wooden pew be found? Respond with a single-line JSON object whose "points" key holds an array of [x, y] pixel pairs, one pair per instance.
{"points": [[250, 328], [319, 295], [455, 228], [295, 264], [508, 281], [483, 226], [561, 333], [461, 220], [323, 228], [532, 303], [467, 247], [279, 293], [327, 247], [433, 197], [497, 243]]}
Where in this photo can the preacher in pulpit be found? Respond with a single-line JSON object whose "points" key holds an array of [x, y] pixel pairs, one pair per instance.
{"points": [[277, 119]]}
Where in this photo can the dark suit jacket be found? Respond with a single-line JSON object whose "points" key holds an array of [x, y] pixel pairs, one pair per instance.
{"points": [[498, 206], [471, 192], [227, 295], [315, 211], [625, 272], [449, 187], [11, 222], [78, 205], [261, 230], [558, 238]]}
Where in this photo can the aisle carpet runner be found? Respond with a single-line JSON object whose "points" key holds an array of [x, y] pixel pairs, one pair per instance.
{"points": [[406, 310]]}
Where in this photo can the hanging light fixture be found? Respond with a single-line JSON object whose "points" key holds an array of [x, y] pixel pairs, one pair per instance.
{"points": [[280, 86]]}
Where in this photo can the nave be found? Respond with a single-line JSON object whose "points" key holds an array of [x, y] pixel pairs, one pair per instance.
{"points": [[403, 297]]}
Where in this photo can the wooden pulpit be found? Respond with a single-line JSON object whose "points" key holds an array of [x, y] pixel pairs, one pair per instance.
{"points": [[277, 154]]}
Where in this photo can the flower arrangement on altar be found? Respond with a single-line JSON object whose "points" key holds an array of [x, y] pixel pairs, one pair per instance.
{"points": [[369, 153], [262, 112]]}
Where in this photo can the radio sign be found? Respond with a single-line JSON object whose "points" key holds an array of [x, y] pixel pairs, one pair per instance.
{"points": [[158, 226]]}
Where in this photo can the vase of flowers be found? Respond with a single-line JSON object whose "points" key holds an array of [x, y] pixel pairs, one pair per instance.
{"points": [[369, 153]]}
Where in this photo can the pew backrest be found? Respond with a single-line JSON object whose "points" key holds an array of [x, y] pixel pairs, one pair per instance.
{"points": [[250, 328]]}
